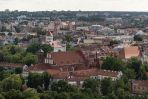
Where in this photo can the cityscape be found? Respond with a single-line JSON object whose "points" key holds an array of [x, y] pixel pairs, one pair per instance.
{"points": [[73, 54]]}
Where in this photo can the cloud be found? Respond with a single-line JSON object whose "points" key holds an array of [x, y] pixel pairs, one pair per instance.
{"points": [[34, 5]]}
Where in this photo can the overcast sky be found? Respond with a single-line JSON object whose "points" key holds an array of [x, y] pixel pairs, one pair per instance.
{"points": [[91, 5]]}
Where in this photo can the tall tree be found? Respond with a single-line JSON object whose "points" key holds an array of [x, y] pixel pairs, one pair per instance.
{"points": [[62, 86], [136, 65], [106, 86], [35, 80], [113, 63], [46, 80], [33, 48], [92, 84], [46, 48]]}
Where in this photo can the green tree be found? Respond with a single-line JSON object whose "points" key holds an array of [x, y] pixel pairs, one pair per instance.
{"points": [[30, 93], [1, 96], [12, 82], [35, 80], [18, 70], [113, 63], [4, 74], [46, 95], [119, 83], [33, 48], [13, 94], [69, 47], [106, 86], [46, 48], [1, 57], [62, 86], [12, 50], [30, 59], [62, 96], [16, 40], [120, 93], [46, 80], [68, 38], [15, 58], [79, 96], [130, 73], [112, 96], [136, 65], [113, 42], [92, 84]]}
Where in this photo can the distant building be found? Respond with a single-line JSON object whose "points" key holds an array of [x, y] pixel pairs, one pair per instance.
{"points": [[139, 86], [78, 77], [49, 37], [129, 52], [66, 59], [57, 46], [74, 77]]}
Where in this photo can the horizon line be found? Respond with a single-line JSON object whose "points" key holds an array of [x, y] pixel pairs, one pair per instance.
{"points": [[75, 10]]}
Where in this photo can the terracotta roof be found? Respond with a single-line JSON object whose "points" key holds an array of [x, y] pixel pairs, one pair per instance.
{"points": [[129, 52], [61, 75], [83, 74], [67, 58], [40, 67], [87, 72], [141, 83], [53, 71], [10, 65], [72, 75], [95, 72]]}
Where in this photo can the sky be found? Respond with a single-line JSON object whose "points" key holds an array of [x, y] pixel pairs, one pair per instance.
{"points": [[74, 5]]}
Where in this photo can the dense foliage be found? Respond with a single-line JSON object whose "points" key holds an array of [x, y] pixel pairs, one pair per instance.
{"points": [[15, 54]]}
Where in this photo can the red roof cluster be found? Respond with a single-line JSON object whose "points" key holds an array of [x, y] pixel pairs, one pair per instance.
{"points": [[10, 65], [67, 58], [83, 74], [41, 67]]}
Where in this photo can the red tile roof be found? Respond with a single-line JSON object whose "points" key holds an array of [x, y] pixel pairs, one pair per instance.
{"points": [[85, 74], [95, 72], [53, 71], [67, 58], [61, 75], [10, 65], [41, 67]]}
